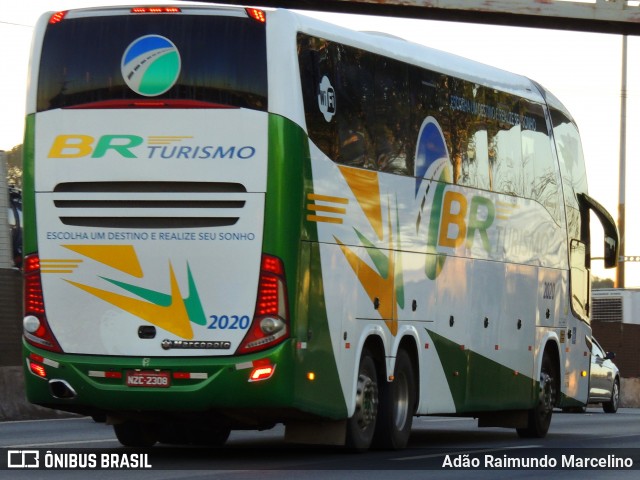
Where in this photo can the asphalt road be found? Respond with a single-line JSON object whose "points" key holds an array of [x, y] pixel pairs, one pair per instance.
{"points": [[436, 445]]}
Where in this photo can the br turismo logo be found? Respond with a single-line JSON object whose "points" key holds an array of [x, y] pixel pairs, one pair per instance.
{"points": [[151, 65]]}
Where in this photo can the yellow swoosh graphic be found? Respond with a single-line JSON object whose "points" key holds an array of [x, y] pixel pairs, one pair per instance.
{"points": [[365, 187], [173, 318], [375, 284], [120, 257]]}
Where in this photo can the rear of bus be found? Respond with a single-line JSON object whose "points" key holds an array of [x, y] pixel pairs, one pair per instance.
{"points": [[150, 285]]}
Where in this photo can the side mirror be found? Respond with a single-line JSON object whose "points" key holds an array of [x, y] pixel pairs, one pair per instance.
{"points": [[611, 249], [610, 356], [611, 235]]}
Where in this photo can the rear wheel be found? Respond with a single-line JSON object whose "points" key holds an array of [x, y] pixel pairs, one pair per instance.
{"points": [[540, 416], [362, 424], [397, 406], [135, 434], [612, 405]]}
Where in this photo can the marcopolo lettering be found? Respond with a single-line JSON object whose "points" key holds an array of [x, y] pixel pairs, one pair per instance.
{"points": [[195, 344], [133, 146]]}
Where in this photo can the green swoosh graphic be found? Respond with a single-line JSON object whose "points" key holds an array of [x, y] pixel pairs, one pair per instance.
{"points": [[192, 302]]}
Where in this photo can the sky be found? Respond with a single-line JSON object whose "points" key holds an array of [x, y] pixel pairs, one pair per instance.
{"points": [[582, 69]]}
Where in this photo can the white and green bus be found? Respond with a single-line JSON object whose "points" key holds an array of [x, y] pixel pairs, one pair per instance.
{"points": [[238, 218]]}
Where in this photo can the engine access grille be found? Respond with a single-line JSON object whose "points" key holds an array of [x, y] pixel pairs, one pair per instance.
{"points": [[149, 204], [606, 309]]}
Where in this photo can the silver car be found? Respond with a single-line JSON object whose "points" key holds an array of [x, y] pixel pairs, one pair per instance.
{"points": [[604, 379]]}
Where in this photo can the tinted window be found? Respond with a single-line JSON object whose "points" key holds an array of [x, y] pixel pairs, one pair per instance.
{"points": [[540, 166], [574, 176], [366, 110], [222, 60]]}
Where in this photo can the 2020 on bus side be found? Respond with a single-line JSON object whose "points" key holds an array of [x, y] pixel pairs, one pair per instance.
{"points": [[354, 232]]}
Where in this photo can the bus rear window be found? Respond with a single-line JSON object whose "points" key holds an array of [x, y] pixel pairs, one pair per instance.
{"points": [[122, 60]]}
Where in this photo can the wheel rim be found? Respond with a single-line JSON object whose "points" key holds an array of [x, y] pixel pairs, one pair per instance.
{"points": [[547, 394], [615, 396], [366, 401], [401, 401]]}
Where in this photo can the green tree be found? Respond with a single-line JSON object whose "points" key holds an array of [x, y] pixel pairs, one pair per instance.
{"points": [[598, 282], [14, 166]]}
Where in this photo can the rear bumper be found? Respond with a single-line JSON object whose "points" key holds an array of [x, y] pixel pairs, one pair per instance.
{"points": [[217, 385]]}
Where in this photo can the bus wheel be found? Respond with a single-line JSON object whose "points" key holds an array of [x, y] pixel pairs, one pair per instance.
{"points": [[397, 406], [135, 434], [612, 406], [540, 416], [362, 424]]}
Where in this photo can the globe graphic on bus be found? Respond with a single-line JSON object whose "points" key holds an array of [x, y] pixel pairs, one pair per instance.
{"points": [[151, 65]]}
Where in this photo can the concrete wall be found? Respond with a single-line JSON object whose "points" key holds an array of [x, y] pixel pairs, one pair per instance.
{"points": [[6, 257], [10, 316], [13, 403]]}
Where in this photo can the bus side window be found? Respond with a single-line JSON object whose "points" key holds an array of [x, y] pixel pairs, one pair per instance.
{"points": [[572, 169]]}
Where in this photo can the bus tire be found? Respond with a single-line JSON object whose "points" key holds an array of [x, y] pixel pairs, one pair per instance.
{"points": [[612, 405], [397, 406], [361, 425], [135, 434], [539, 417]]}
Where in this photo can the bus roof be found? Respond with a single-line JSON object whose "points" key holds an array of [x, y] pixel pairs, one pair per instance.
{"points": [[426, 57], [376, 42]]}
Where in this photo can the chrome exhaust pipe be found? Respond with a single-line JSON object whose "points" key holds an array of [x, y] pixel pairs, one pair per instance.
{"points": [[61, 389]]}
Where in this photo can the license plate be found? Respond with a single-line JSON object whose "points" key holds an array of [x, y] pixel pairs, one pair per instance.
{"points": [[148, 378]]}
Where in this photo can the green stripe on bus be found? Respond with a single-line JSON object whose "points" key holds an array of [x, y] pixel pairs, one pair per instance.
{"points": [[478, 383], [29, 236], [285, 236]]}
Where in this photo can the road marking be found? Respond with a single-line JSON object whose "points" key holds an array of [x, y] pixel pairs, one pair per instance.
{"points": [[620, 436], [58, 444], [467, 452]]}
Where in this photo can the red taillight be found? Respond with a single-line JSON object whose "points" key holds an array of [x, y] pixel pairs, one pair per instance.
{"points": [[33, 299], [257, 14], [156, 10], [36, 328], [271, 320], [57, 17], [272, 265], [38, 369], [262, 373], [268, 294]]}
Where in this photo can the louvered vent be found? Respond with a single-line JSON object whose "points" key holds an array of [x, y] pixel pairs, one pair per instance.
{"points": [[606, 309], [149, 204]]}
